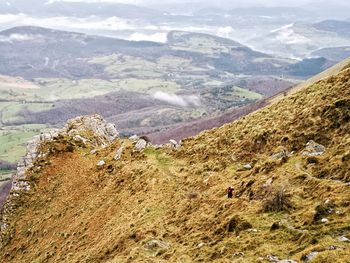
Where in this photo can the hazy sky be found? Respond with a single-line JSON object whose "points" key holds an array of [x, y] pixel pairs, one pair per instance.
{"points": [[238, 2]]}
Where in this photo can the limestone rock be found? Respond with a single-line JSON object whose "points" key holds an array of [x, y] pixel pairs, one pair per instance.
{"points": [[174, 143], [157, 244], [344, 239], [101, 163], [247, 166], [119, 153], [280, 154], [272, 258], [102, 133], [287, 261], [313, 149], [140, 145]]}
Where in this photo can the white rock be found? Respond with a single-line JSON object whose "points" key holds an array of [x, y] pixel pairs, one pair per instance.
{"points": [[119, 153], [344, 239], [313, 149], [174, 143], [104, 133], [140, 145], [101, 163], [324, 220], [247, 166], [200, 245], [272, 258]]}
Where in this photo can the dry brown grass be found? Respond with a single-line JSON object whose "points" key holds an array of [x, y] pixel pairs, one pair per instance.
{"points": [[79, 213]]}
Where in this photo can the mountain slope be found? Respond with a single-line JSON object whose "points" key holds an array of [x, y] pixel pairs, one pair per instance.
{"points": [[342, 28], [170, 204], [188, 129], [333, 53], [33, 52]]}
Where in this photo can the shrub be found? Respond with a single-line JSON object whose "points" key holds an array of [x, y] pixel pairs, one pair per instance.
{"points": [[278, 200]]}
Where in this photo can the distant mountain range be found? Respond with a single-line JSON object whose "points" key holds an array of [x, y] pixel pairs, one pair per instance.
{"points": [[284, 31], [33, 52]]}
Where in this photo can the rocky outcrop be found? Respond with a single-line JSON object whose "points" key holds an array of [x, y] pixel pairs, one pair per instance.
{"points": [[99, 131], [32, 152], [90, 130], [313, 149]]}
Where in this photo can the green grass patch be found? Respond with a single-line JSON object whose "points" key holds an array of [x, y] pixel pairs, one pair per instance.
{"points": [[162, 160], [244, 93], [12, 144], [11, 113]]}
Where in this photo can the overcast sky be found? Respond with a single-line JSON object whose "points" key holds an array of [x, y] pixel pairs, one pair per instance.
{"points": [[229, 2]]}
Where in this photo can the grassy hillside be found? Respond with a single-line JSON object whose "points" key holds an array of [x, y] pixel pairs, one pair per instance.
{"points": [[170, 205], [167, 205]]}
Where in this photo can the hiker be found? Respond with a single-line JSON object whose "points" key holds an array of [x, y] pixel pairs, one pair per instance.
{"points": [[230, 192]]}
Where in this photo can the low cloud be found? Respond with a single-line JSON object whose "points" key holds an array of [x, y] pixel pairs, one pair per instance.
{"points": [[156, 37], [62, 22], [225, 31], [287, 35], [182, 101], [19, 37]]}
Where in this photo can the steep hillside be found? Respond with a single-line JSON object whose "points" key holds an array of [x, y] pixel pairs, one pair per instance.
{"points": [[192, 128], [288, 163]]}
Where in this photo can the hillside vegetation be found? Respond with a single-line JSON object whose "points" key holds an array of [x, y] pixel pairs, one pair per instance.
{"points": [[291, 201]]}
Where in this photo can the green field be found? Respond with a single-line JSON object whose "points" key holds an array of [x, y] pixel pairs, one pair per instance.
{"points": [[124, 67], [246, 94], [13, 140], [11, 113]]}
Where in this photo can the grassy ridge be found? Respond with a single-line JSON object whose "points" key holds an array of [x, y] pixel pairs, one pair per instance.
{"points": [[287, 206]]}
